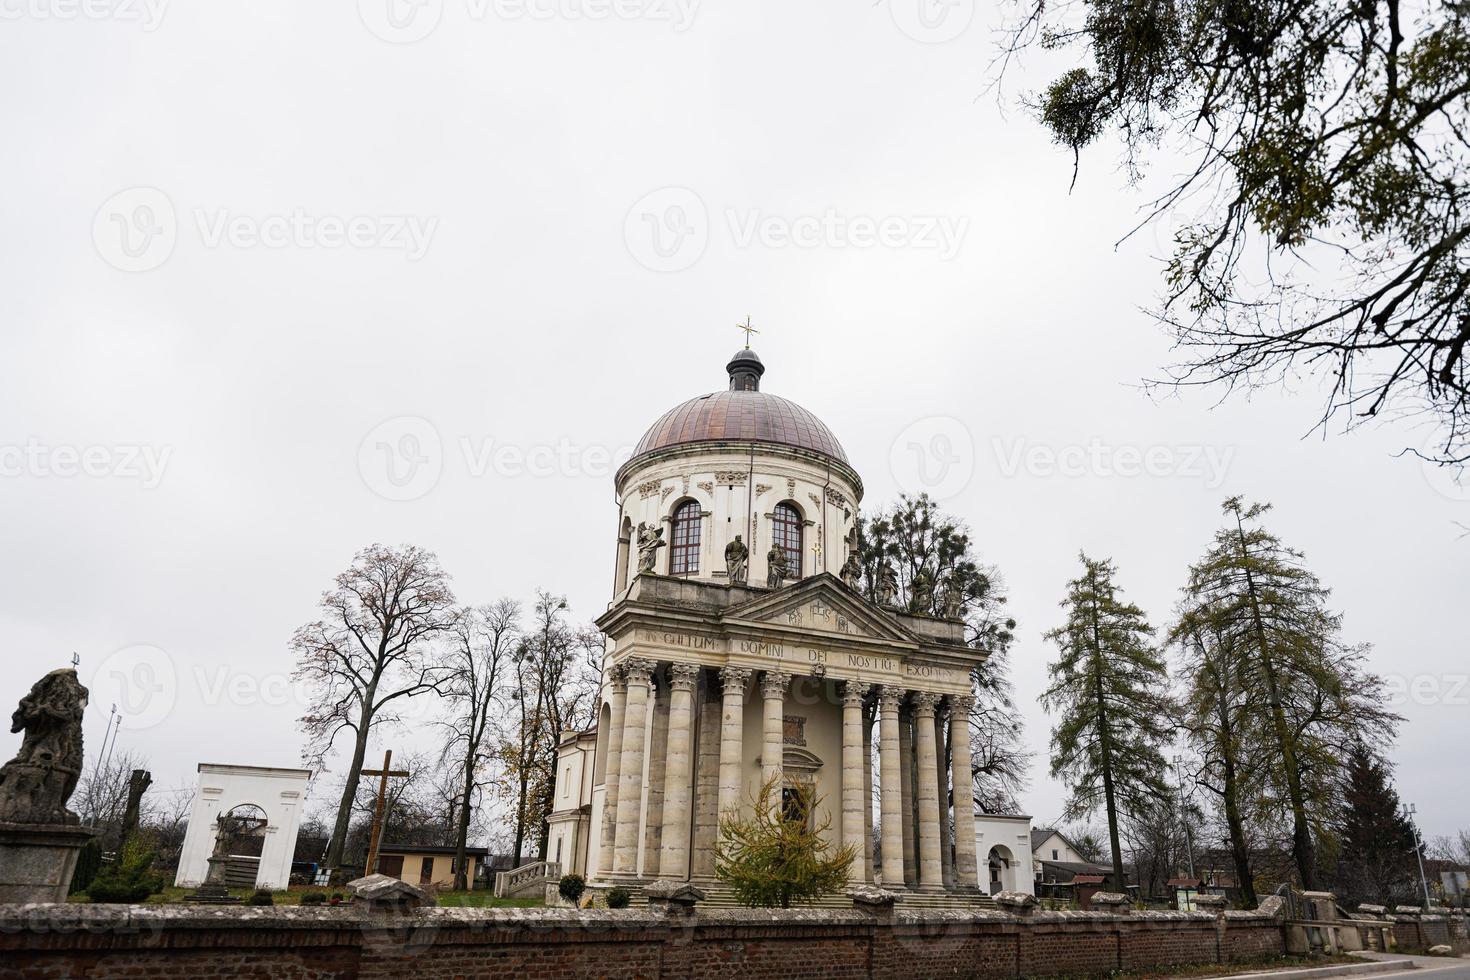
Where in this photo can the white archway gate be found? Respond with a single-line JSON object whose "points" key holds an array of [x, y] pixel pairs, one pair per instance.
{"points": [[280, 793]]}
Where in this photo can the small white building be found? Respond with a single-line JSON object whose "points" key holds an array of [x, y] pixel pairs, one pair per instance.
{"points": [[279, 794], [1003, 842]]}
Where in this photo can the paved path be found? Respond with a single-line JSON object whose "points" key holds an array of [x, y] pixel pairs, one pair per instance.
{"points": [[1443, 967]]}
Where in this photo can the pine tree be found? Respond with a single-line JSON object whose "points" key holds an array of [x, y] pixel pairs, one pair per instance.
{"points": [[1110, 685], [1376, 841], [772, 856], [1315, 698]]}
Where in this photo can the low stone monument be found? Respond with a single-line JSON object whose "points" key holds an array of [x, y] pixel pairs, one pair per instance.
{"points": [[228, 831], [39, 837]]}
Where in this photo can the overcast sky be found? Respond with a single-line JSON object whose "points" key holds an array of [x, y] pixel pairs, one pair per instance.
{"points": [[248, 245]]}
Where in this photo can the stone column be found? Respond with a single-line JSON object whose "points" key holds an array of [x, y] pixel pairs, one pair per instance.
{"points": [[852, 771], [906, 777], [870, 717], [706, 780], [889, 778], [655, 759], [931, 876], [673, 861], [732, 737], [946, 838], [773, 731], [630, 768], [617, 699], [967, 865]]}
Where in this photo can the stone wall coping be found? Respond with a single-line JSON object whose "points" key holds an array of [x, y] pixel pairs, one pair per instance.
{"points": [[79, 917]]}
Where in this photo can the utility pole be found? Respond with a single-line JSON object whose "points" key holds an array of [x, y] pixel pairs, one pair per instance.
{"points": [[375, 838], [1184, 814], [1419, 854]]}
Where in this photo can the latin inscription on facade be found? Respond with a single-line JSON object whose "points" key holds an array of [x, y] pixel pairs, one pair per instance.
{"points": [[818, 615]]}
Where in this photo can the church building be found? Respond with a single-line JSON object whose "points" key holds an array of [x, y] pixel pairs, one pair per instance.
{"points": [[740, 652]]}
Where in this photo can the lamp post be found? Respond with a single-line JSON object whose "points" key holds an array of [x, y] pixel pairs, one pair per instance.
{"points": [[1419, 854]]}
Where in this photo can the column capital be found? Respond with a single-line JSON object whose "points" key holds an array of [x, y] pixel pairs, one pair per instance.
{"points": [[853, 693], [617, 679], [890, 696], [639, 670], [961, 704], [734, 679], [774, 684], [924, 703], [683, 677]]}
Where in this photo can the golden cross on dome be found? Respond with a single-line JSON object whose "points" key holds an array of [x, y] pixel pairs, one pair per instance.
{"points": [[748, 331]]}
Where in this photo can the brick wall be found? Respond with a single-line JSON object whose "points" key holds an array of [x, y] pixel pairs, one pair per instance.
{"points": [[82, 941]]}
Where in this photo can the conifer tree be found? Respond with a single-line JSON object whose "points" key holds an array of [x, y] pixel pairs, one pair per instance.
{"points": [[1376, 842], [1315, 697], [773, 856], [1110, 685]]}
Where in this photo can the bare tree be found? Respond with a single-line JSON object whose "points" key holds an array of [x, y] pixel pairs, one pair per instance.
{"points": [[483, 639], [371, 650]]}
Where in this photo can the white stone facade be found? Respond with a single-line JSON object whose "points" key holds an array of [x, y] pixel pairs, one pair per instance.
{"points": [[712, 688], [1003, 842], [281, 793]]}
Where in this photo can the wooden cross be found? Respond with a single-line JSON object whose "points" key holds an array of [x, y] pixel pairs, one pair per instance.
{"points": [[374, 839], [748, 331]]}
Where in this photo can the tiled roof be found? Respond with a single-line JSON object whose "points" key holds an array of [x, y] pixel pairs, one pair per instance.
{"points": [[741, 416]]}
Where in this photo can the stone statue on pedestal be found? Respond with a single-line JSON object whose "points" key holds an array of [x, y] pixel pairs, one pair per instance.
{"points": [[36, 784], [852, 572], [887, 585], [650, 539], [776, 567], [737, 561], [952, 599], [39, 837]]}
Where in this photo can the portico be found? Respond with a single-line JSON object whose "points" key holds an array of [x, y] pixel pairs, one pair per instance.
{"points": [[796, 674]]}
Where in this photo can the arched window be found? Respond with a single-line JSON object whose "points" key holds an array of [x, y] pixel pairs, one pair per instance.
{"points": [[787, 530], [684, 552]]}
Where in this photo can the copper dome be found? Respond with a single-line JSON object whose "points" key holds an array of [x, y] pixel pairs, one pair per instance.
{"points": [[742, 414]]}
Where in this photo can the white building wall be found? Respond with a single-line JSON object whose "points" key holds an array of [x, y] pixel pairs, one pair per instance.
{"points": [[281, 793], [1010, 837]]}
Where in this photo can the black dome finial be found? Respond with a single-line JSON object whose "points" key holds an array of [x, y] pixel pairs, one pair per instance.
{"points": [[745, 371]]}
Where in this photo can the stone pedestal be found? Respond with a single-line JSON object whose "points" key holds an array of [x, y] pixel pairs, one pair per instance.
{"points": [[213, 891], [37, 860]]}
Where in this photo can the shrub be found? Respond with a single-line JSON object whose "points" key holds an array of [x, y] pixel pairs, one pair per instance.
{"points": [[314, 898], [261, 897], [129, 879], [618, 897], [779, 855], [571, 888]]}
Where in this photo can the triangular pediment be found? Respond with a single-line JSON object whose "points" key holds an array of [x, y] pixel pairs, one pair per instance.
{"points": [[821, 604]]}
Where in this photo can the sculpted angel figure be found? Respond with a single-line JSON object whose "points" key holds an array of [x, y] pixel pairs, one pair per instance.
{"points": [[650, 539]]}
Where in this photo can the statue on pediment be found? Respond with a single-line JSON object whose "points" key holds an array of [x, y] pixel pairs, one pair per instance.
{"points": [[737, 561], [887, 585], [852, 572], [777, 567], [650, 539]]}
